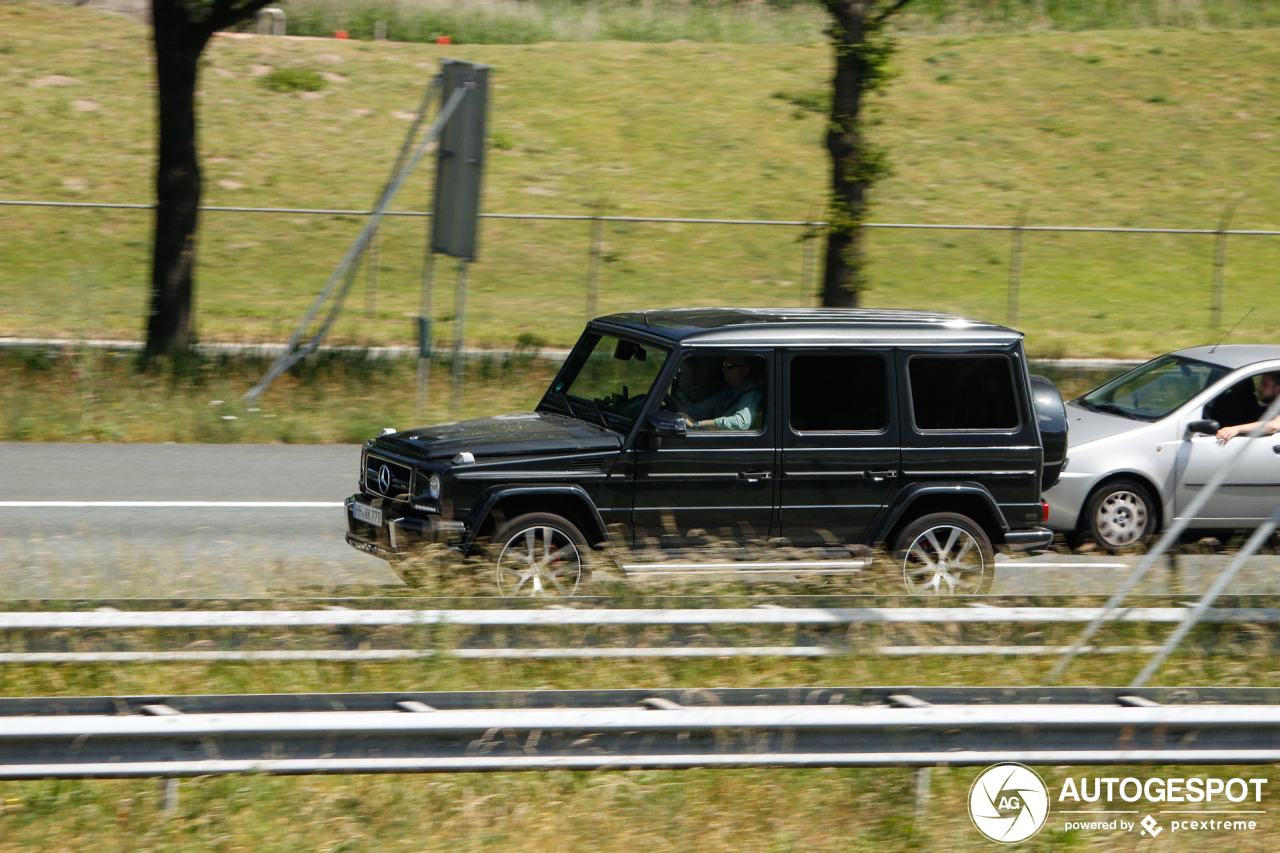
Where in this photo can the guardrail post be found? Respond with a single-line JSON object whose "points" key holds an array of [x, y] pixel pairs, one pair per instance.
{"points": [[271, 21], [924, 776], [169, 795], [459, 336], [424, 326]]}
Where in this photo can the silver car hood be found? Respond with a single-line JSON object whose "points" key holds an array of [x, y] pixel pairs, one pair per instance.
{"points": [[1086, 425]]}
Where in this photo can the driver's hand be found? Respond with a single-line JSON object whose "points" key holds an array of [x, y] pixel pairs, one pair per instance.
{"points": [[1227, 433], [688, 421]]}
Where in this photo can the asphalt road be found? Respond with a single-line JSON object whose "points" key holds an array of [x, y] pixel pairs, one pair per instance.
{"points": [[271, 520], [193, 520]]}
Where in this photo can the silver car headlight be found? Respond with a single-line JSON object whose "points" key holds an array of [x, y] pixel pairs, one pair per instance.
{"points": [[433, 487]]}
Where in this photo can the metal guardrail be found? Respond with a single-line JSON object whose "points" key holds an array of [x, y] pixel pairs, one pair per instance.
{"points": [[790, 646], [404, 733], [566, 617]]}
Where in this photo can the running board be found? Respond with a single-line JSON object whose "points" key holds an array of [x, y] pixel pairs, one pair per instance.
{"points": [[808, 567]]}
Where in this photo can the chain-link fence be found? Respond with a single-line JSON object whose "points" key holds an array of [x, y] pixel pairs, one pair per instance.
{"points": [[541, 274]]}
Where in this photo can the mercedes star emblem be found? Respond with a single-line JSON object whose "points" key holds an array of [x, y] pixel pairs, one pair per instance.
{"points": [[384, 479]]}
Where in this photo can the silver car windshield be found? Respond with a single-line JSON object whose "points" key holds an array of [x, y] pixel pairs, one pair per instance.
{"points": [[1155, 389]]}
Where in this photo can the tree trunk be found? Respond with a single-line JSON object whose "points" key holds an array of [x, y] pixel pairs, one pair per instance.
{"points": [[178, 45], [842, 278]]}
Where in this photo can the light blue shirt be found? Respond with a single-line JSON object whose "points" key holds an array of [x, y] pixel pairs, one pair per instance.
{"points": [[730, 408]]}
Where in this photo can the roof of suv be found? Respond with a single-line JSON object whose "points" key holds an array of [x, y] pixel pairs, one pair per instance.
{"points": [[811, 326]]}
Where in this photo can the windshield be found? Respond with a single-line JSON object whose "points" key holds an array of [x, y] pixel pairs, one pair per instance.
{"points": [[610, 384], [1155, 389]]}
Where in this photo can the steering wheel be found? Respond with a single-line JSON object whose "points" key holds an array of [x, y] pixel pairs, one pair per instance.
{"points": [[668, 404]]}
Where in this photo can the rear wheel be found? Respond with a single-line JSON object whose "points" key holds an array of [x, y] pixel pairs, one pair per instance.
{"points": [[1119, 515], [540, 554], [945, 553]]}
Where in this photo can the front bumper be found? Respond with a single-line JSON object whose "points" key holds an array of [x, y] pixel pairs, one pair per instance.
{"points": [[401, 532], [1066, 499]]}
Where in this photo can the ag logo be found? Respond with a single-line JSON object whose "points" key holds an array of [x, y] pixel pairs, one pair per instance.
{"points": [[1008, 803]]}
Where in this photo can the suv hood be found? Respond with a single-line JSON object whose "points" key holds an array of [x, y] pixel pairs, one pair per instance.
{"points": [[504, 435], [1087, 425]]}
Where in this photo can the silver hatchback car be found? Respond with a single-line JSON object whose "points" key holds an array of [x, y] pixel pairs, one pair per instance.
{"points": [[1140, 447]]}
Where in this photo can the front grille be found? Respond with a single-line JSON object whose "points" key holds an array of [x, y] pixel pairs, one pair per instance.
{"points": [[401, 476]]}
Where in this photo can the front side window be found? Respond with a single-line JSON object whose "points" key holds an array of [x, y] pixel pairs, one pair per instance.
{"points": [[610, 383], [839, 393], [1155, 389], [722, 392], [963, 392]]}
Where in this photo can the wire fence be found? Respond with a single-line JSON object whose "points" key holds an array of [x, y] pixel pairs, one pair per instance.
{"points": [[807, 237]]}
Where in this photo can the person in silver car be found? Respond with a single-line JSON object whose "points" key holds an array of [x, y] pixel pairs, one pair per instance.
{"points": [[1268, 389]]}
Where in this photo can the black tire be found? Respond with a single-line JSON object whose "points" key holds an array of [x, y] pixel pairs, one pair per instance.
{"points": [[525, 565], [945, 553], [1119, 515]]}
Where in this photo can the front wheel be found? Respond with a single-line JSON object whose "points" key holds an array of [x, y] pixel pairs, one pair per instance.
{"points": [[945, 554], [540, 554], [1118, 515]]}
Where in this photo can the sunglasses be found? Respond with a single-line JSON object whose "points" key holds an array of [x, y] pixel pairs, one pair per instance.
{"points": [[728, 365]]}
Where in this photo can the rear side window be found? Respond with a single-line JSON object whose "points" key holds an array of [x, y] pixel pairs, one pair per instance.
{"points": [[963, 392], [838, 393]]}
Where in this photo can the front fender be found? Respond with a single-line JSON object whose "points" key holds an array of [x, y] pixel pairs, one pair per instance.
{"points": [[490, 497]]}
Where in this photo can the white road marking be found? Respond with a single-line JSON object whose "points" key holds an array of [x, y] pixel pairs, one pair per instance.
{"points": [[176, 504]]}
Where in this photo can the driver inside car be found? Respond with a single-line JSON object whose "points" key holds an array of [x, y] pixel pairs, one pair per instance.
{"points": [[737, 405], [1268, 390]]}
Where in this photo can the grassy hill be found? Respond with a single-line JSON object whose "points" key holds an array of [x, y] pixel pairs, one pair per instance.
{"points": [[1154, 128]]}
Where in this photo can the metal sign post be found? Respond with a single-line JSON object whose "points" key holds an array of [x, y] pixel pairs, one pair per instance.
{"points": [[424, 329], [459, 338]]}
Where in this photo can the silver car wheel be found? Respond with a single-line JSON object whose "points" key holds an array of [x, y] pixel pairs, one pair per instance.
{"points": [[1121, 518], [944, 560], [539, 561]]}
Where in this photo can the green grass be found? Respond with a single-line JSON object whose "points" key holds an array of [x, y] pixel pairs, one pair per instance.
{"points": [[1147, 127], [333, 398], [780, 21], [294, 80]]}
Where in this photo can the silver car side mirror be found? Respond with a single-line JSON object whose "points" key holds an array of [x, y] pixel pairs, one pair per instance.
{"points": [[1204, 426]]}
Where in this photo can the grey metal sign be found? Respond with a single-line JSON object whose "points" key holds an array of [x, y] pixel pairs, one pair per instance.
{"points": [[460, 161]]}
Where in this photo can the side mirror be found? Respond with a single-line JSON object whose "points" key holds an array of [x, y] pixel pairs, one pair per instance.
{"points": [[667, 425], [1204, 426]]}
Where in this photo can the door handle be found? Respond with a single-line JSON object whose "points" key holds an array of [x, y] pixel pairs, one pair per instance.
{"points": [[881, 476], [754, 476]]}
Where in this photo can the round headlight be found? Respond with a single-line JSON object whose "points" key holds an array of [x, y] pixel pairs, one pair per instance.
{"points": [[433, 487]]}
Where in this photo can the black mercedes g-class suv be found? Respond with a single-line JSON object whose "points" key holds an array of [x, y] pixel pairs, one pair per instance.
{"points": [[918, 431]]}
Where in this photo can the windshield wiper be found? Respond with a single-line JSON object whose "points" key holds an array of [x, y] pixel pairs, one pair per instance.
{"points": [[604, 419], [1112, 408], [568, 405]]}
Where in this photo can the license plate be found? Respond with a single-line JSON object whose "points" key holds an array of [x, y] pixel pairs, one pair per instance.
{"points": [[367, 514]]}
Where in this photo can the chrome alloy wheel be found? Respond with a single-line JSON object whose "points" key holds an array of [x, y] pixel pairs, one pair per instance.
{"points": [[539, 561], [1120, 519], [944, 560]]}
